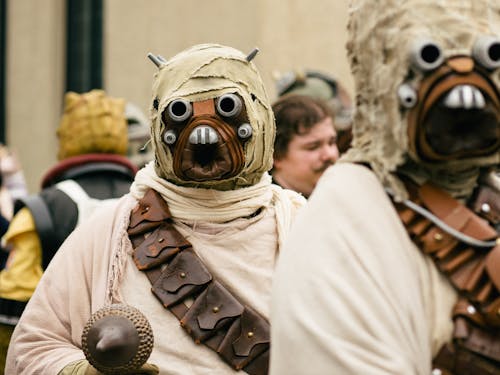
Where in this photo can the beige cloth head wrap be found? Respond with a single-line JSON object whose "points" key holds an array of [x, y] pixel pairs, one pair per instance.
{"points": [[381, 34], [208, 71]]}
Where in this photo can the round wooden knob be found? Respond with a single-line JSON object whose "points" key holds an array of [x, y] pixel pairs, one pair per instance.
{"points": [[117, 339]]}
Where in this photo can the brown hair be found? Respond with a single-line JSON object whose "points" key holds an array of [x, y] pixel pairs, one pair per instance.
{"points": [[296, 114]]}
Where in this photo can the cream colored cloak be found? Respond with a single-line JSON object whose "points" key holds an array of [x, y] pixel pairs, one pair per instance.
{"points": [[94, 267], [352, 294]]}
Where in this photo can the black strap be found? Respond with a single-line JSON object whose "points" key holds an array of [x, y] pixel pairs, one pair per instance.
{"points": [[10, 310], [43, 223], [93, 168]]}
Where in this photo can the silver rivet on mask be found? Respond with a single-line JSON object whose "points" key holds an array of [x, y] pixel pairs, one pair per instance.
{"points": [[180, 110], [407, 96], [169, 137], [486, 51], [229, 105], [244, 131], [426, 55]]}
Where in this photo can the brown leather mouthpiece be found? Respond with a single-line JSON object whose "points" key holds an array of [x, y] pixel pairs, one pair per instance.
{"points": [[212, 161], [438, 132]]}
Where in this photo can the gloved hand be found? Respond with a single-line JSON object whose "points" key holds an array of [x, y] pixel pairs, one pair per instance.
{"points": [[83, 367]]}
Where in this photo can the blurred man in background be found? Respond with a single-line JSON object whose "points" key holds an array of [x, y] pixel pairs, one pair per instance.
{"points": [[306, 142], [322, 86]]}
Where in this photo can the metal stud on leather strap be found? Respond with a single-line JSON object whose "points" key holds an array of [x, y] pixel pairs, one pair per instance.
{"points": [[485, 207]]}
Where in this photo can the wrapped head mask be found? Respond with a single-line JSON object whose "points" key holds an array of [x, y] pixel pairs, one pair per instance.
{"points": [[427, 78], [212, 124]]}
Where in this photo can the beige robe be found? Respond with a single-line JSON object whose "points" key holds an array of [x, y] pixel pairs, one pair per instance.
{"points": [[94, 267], [352, 294]]}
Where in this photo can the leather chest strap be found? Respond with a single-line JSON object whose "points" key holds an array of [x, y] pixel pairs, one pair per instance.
{"points": [[474, 273], [215, 317]]}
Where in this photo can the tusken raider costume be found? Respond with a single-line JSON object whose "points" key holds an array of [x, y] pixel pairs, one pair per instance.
{"points": [[194, 244], [403, 258]]}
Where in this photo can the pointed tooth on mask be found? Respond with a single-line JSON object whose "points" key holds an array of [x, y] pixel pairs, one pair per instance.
{"points": [[479, 99], [453, 99]]}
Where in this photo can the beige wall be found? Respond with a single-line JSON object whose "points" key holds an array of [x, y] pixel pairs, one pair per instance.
{"points": [[290, 34], [35, 82]]}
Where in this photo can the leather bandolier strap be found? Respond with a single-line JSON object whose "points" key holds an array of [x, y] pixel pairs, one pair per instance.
{"points": [[239, 335], [474, 272]]}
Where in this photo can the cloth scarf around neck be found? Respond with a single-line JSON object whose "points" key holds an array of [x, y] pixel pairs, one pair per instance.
{"points": [[191, 205]]}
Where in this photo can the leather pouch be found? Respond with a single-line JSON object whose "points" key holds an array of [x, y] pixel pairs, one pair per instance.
{"points": [[417, 228], [247, 338], [183, 277], [405, 214], [259, 365], [491, 314], [454, 214], [161, 245], [212, 310], [468, 278], [149, 213], [480, 340], [459, 258], [493, 265], [464, 309]]}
